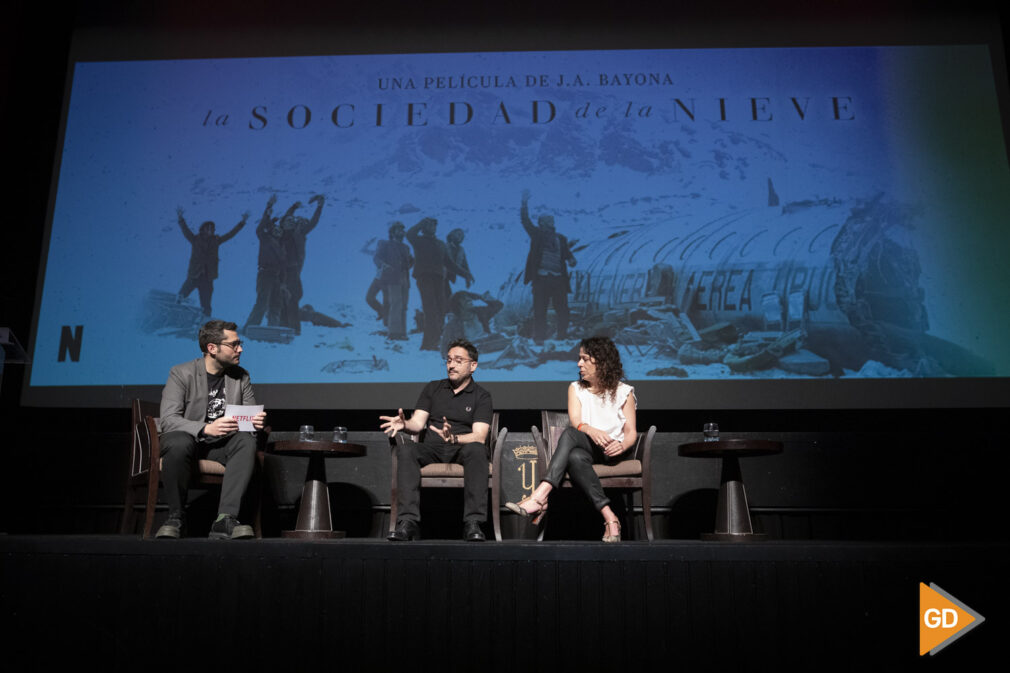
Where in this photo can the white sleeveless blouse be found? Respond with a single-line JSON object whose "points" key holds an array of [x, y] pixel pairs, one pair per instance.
{"points": [[599, 411]]}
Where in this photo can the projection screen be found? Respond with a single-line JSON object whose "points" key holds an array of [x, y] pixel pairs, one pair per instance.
{"points": [[780, 227]]}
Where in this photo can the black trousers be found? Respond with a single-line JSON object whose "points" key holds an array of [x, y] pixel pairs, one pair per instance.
{"points": [[553, 290], [575, 455], [411, 457], [394, 295], [268, 298], [290, 298], [432, 293], [205, 287], [181, 450], [371, 298]]}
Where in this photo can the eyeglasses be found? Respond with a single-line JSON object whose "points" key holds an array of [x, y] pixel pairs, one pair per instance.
{"points": [[234, 345], [458, 361]]}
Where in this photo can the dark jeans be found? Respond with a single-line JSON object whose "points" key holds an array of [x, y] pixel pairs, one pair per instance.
{"points": [[411, 457], [554, 290], [181, 450], [575, 455]]}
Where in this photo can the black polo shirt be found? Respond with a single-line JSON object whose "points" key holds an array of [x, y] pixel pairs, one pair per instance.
{"points": [[463, 409]]}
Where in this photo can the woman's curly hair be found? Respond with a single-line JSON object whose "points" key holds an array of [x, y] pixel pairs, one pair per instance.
{"points": [[604, 355]]}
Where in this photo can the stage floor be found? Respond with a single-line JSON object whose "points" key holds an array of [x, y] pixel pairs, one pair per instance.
{"points": [[448, 605]]}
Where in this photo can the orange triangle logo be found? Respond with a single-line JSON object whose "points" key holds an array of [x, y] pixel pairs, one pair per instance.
{"points": [[942, 619]]}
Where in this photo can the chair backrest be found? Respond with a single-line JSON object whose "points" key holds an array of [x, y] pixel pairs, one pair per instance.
{"points": [[140, 452], [555, 422]]}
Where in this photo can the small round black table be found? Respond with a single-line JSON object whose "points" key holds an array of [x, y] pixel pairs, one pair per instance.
{"points": [[732, 517], [314, 521]]}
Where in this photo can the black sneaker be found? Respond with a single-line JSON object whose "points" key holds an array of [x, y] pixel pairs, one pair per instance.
{"points": [[173, 526], [229, 528]]}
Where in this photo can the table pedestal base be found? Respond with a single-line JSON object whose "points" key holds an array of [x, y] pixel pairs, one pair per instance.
{"points": [[314, 534], [733, 537], [732, 516], [314, 513]]}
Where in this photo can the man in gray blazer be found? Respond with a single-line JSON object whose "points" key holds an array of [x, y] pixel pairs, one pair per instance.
{"points": [[194, 426]]}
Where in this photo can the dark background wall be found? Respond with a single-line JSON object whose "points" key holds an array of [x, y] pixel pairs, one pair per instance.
{"points": [[905, 474]]}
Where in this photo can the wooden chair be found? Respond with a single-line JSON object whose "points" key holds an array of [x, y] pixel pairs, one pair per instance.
{"points": [[450, 475], [145, 469], [634, 473]]}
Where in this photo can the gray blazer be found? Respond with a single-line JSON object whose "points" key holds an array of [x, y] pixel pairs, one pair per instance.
{"points": [[184, 399]]}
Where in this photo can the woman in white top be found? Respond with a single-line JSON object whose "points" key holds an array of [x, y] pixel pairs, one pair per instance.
{"points": [[601, 410]]}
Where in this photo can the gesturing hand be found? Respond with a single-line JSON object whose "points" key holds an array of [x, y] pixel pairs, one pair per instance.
{"points": [[445, 431], [393, 424]]}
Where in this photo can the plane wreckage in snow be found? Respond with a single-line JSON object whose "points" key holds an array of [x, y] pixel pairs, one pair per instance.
{"points": [[812, 288]]}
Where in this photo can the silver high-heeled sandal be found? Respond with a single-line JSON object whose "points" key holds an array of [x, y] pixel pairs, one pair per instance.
{"points": [[521, 511], [606, 531]]}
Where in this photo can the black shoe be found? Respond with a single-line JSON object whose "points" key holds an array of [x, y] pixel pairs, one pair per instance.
{"points": [[472, 532], [405, 532], [173, 526], [229, 528]]}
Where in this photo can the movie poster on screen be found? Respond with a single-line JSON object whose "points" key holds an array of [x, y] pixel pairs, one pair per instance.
{"points": [[719, 213]]}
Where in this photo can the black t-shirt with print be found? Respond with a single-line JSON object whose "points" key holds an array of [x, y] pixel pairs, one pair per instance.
{"points": [[215, 397]]}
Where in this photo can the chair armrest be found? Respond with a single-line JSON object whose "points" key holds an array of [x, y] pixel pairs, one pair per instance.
{"points": [[154, 470], [496, 451], [499, 445], [646, 452], [541, 449], [402, 437], [539, 441], [152, 429]]}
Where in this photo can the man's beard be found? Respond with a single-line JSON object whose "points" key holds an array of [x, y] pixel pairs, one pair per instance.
{"points": [[463, 377], [225, 363]]}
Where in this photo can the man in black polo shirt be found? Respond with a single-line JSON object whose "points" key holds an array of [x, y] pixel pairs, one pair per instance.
{"points": [[460, 413]]}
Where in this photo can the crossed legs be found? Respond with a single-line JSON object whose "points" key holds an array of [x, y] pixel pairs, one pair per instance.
{"points": [[575, 454]]}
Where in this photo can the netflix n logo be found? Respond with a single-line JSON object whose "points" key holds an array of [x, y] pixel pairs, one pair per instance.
{"points": [[70, 343]]}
